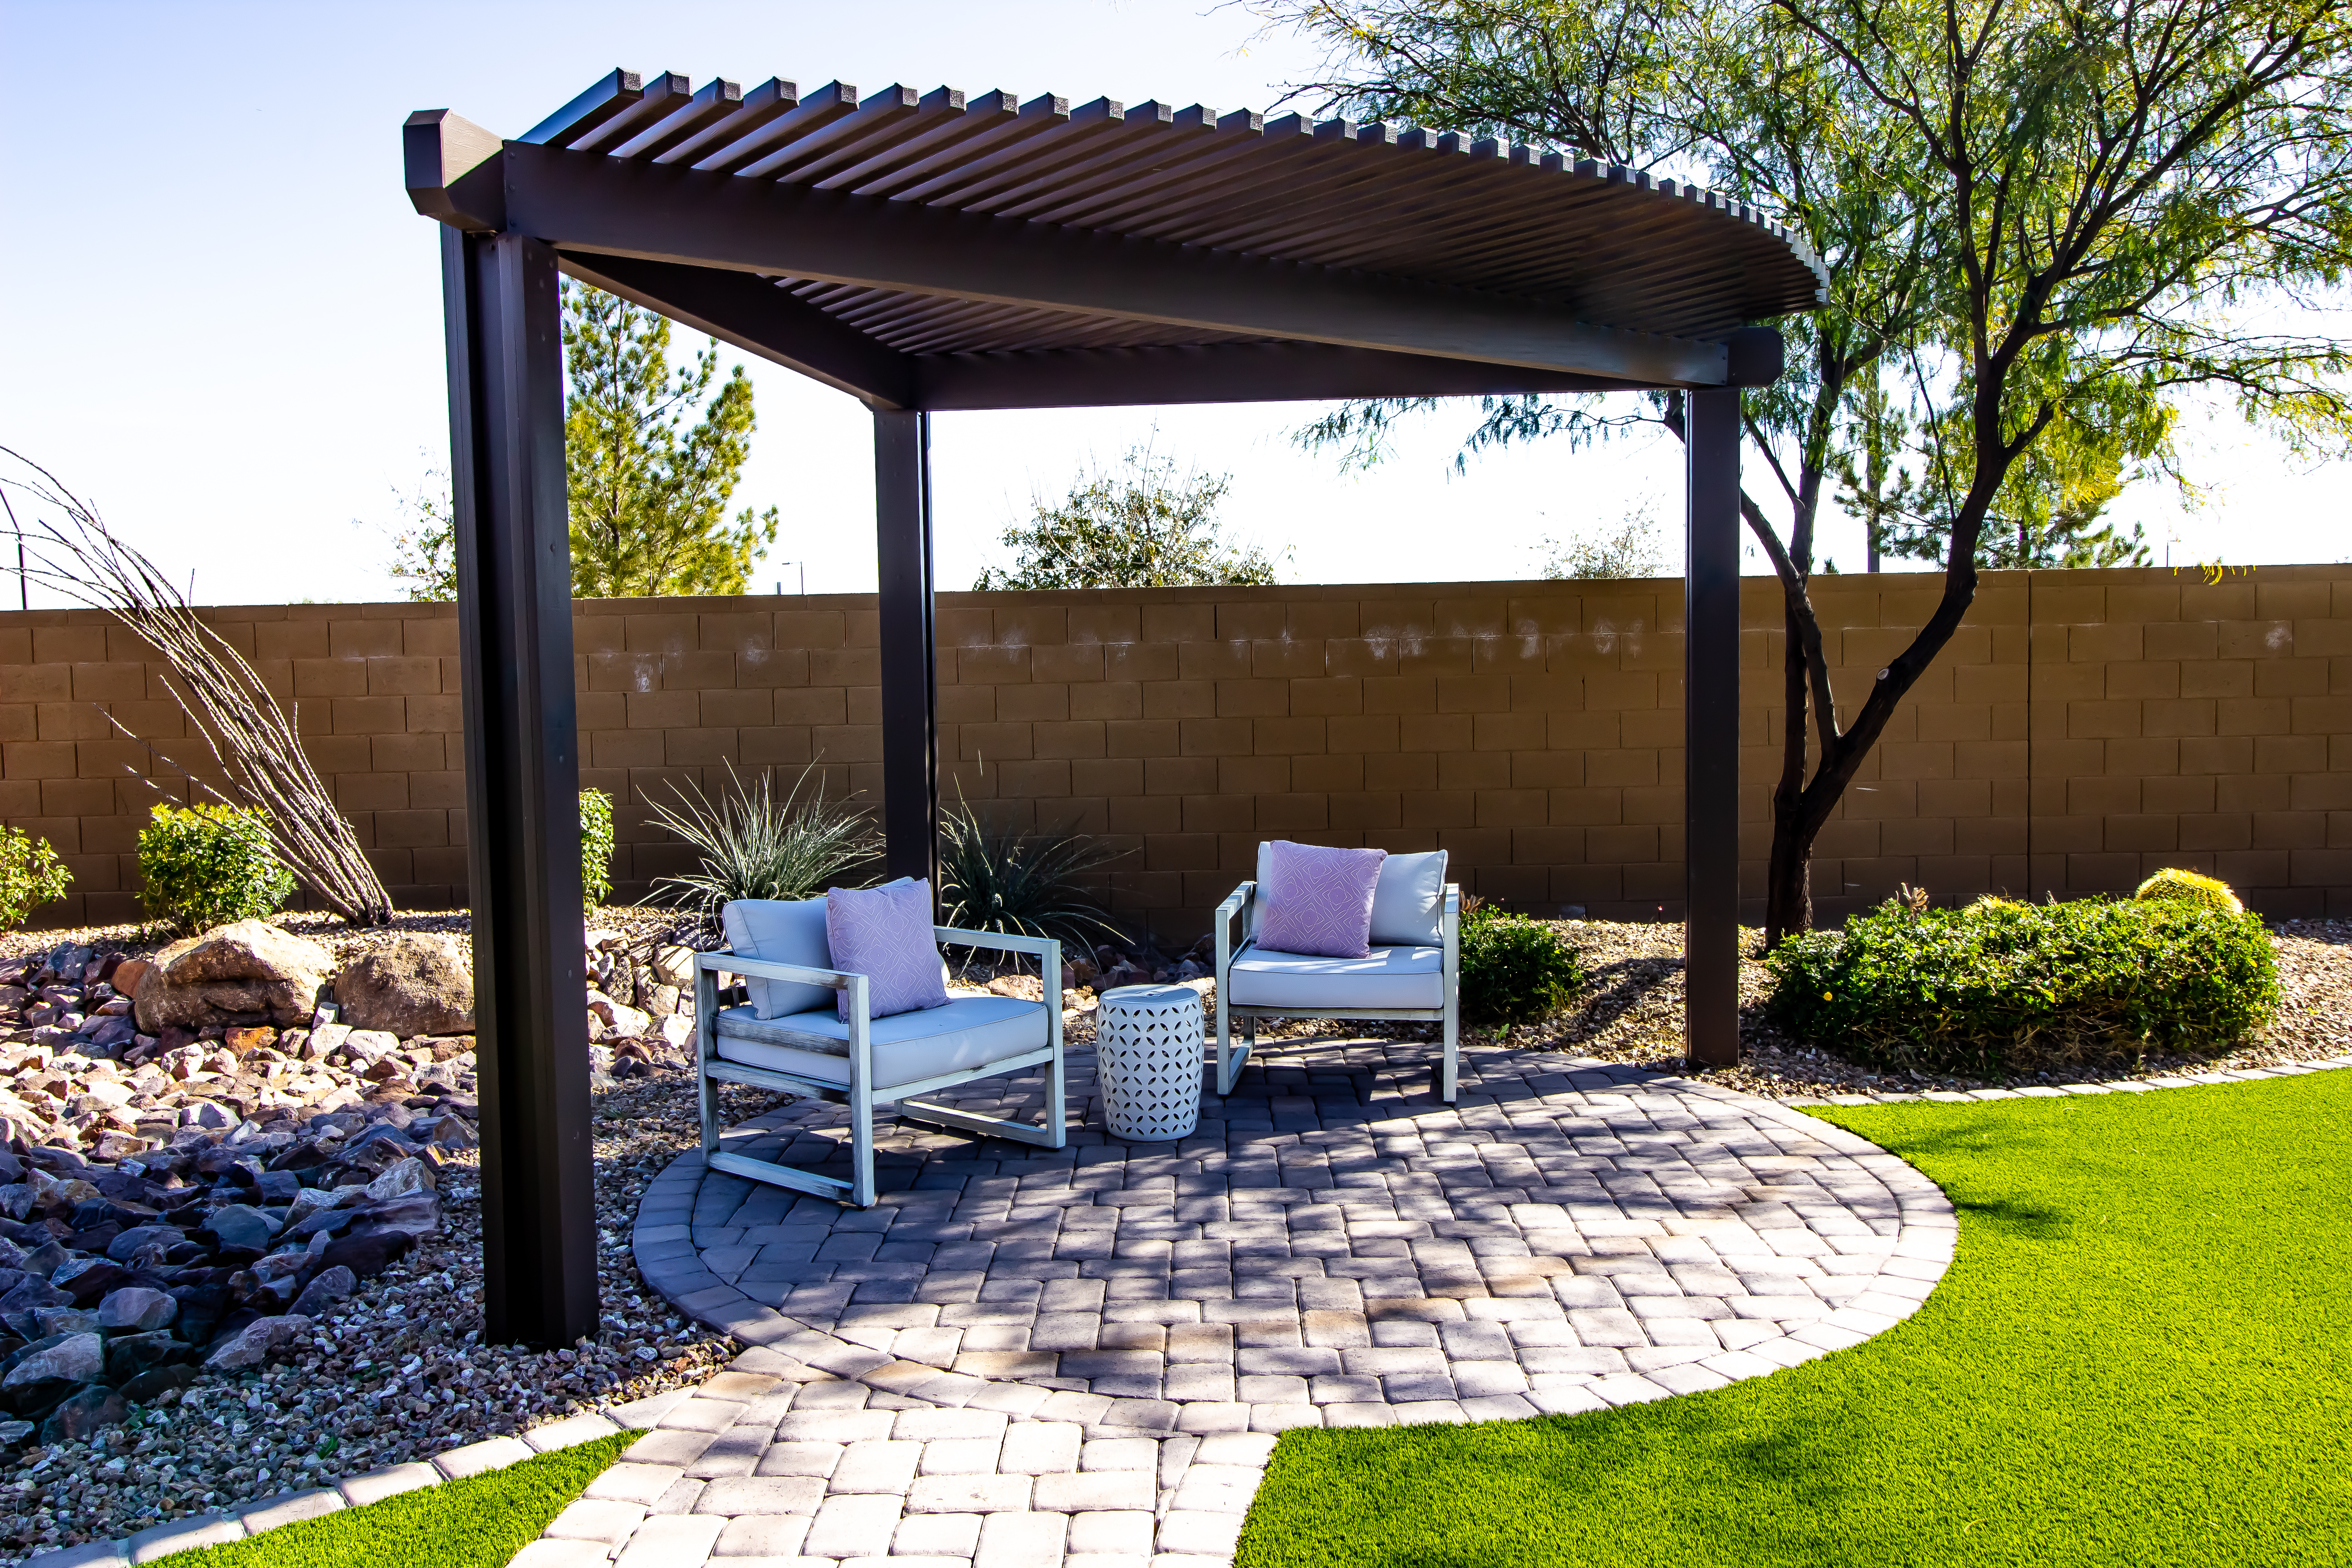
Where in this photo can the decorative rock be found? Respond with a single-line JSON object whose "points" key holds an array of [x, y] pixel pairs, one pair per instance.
{"points": [[244, 1042], [129, 974], [77, 1358], [230, 974], [370, 1045], [241, 1225], [405, 1176], [454, 1133], [676, 1031], [83, 1414], [617, 1017], [412, 984], [328, 1286], [131, 1355], [129, 1241], [251, 1345], [367, 1256], [205, 1114], [136, 1310], [413, 1213]]}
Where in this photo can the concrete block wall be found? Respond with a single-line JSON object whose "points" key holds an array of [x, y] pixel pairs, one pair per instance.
{"points": [[2082, 729]]}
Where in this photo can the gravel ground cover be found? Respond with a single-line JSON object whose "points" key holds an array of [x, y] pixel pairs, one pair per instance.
{"points": [[2135, 1358], [391, 1374]]}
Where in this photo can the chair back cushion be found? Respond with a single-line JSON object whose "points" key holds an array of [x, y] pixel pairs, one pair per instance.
{"points": [[780, 932], [1319, 899], [1409, 901], [886, 934]]}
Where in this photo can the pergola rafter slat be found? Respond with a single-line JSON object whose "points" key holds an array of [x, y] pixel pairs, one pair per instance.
{"points": [[926, 252]]}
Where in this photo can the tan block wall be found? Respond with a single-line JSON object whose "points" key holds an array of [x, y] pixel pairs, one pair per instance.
{"points": [[1533, 729]]}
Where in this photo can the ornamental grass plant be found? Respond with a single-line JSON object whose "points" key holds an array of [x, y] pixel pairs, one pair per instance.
{"points": [[1022, 883], [753, 845], [2006, 987]]}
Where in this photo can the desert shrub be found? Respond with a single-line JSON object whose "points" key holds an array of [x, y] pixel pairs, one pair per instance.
{"points": [[30, 874], [755, 846], [1514, 969], [2007, 987], [209, 864], [1021, 883], [595, 846], [2192, 888]]}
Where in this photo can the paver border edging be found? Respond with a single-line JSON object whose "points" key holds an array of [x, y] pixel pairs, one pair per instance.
{"points": [[357, 1492]]}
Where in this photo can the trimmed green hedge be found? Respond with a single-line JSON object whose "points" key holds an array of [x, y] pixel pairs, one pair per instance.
{"points": [[595, 846], [2008, 987], [1514, 969]]}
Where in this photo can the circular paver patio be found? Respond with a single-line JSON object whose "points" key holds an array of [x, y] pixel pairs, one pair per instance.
{"points": [[1333, 1246], [1020, 1354]]}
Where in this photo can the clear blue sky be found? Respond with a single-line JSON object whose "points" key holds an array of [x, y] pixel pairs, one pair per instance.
{"points": [[222, 318]]}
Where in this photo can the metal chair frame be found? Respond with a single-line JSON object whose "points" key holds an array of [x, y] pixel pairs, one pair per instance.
{"points": [[1230, 1061], [858, 1192]]}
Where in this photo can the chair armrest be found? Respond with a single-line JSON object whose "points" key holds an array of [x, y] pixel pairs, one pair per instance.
{"points": [[767, 969], [1236, 902], [1004, 941], [1449, 923]]}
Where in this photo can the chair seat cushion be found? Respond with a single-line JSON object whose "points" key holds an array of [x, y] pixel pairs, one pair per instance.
{"points": [[1385, 977], [969, 1032]]}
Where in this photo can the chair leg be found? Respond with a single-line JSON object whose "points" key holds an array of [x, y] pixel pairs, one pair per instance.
{"points": [[861, 1145], [1449, 1074]]}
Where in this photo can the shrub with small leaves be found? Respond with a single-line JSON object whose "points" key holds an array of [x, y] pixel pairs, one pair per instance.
{"points": [[2007, 987], [595, 846], [207, 864], [2190, 887], [1514, 969], [30, 874]]}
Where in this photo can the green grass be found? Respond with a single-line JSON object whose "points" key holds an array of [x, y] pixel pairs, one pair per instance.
{"points": [[2140, 1356], [478, 1522]]}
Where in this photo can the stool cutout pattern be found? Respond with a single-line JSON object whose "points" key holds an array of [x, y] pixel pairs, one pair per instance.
{"points": [[1148, 1044]]}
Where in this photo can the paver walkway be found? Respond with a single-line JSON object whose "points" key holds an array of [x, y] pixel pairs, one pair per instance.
{"points": [[1082, 1357]]}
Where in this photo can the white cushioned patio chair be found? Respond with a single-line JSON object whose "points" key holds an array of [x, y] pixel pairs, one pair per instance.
{"points": [[790, 1037], [1409, 972]]}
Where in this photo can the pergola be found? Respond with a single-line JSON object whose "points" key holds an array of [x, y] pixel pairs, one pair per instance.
{"points": [[945, 251]]}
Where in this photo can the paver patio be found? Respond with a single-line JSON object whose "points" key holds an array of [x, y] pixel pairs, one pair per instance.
{"points": [[1083, 1356]]}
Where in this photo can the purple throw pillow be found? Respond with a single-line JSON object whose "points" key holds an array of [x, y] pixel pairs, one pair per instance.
{"points": [[885, 934], [1318, 901]]}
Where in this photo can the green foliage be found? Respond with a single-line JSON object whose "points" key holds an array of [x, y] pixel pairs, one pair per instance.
{"points": [[1514, 969], [425, 550], [480, 1521], [2193, 888], [648, 493], [1632, 549], [208, 865], [755, 846], [30, 874], [595, 846], [1021, 883], [2007, 987], [1141, 527]]}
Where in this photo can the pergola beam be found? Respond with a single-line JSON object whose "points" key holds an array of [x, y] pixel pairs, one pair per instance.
{"points": [[757, 318], [583, 202]]}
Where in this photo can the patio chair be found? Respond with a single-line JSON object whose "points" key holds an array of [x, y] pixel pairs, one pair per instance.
{"points": [[790, 1037], [1411, 972]]}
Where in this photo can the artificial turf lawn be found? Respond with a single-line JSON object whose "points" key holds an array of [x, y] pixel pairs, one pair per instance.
{"points": [[2140, 1355], [478, 1522]]}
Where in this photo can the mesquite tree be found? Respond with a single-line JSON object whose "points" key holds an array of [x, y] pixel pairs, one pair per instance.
{"points": [[2042, 221]]}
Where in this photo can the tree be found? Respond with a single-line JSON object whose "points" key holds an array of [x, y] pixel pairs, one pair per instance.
{"points": [[648, 503], [1142, 526], [1630, 549], [648, 499], [2049, 219]]}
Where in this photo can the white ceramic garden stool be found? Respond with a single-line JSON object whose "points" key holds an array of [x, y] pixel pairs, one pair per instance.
{"points": [[1148, 1053]]}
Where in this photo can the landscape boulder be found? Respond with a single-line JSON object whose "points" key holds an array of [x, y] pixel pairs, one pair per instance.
{"points": [[415, 984], [244, 973], [252, 1345]]}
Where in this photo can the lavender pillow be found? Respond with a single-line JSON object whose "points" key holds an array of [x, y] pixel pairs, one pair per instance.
{"points": [[885, 934], [1318, 901]]}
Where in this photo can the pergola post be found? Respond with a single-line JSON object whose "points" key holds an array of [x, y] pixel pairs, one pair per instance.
{"points": [[1711, 730], [902, 539], [523, 786]]}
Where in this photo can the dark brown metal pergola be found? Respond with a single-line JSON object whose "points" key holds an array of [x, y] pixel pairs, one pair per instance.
{"points": [[942, 251]]}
